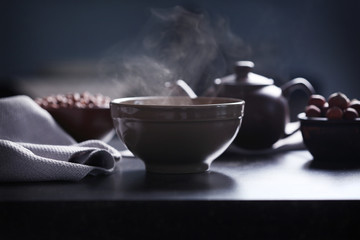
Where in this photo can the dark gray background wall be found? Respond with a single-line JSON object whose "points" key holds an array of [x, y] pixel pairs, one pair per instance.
{"points": [[315, 39]]}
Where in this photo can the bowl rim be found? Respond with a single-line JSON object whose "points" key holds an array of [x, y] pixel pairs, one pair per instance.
{"points": [[128, 101], [303, 118], [76, 109], [126, 108]]}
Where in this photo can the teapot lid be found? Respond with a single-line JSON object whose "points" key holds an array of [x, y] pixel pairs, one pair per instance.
{"points": [[243, 76]]}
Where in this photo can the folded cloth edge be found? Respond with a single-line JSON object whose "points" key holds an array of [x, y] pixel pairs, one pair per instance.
{"points": [[20, 164]]}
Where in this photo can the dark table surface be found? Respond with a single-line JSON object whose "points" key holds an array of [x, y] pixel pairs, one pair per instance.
{"points": [[284, 195]]}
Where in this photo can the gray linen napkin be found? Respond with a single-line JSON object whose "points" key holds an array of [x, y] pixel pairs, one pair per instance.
{"points": [[34, 148]]}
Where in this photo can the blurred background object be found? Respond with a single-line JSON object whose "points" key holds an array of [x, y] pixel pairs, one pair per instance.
{"points": [[50, 47]]}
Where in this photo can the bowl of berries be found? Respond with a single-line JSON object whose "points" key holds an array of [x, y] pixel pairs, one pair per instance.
{"points": [[83, 116], [331, 127]]}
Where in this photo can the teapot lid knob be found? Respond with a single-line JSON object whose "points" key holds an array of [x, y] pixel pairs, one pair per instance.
{"points": [[242, 68]]}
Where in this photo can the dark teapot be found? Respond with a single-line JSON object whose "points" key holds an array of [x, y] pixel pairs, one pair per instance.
{"points": [[266, 118]]}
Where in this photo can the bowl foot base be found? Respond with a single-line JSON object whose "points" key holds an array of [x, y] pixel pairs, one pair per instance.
{"points": [[177, 169]]}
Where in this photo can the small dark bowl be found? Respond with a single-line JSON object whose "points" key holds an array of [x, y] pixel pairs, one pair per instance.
{"points": [[177, 134], [85, 123], [331, 140]]}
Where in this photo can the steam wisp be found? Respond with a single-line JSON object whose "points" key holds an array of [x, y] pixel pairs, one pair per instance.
{"points": [[175, 44]]}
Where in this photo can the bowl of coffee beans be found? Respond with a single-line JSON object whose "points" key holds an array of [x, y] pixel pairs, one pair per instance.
{"points": [[331, 127], [84, 115]]}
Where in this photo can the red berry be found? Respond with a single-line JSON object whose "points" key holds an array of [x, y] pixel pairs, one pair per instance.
{"points": [[355, 104], [334, 113], [312, 111], [317, 100], [350, 114], [339, 100], [324, 109]]}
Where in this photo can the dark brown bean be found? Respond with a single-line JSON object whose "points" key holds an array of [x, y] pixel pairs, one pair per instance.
{"points": [[76, 97], [79, 105], [71, 100]]}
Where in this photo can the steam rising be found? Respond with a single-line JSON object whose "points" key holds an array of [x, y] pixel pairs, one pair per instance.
{"points": [[175, 44]]}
